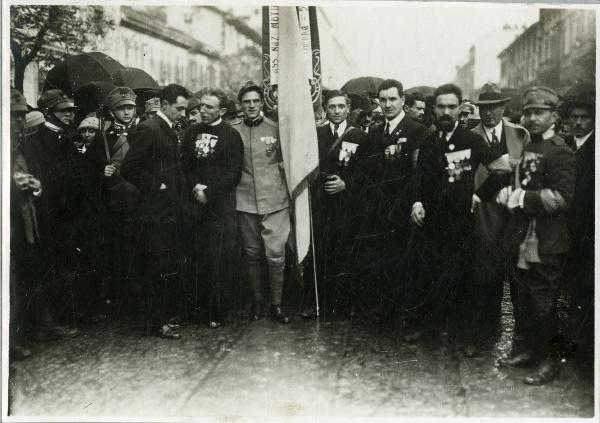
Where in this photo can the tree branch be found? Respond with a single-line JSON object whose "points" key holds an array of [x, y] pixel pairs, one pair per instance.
{"points": [[39, 38]]}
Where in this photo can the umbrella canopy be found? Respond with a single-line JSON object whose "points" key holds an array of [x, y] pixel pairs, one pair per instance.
{"points": [[362, 85], [91, 95], [76, 71], [134, 78], [423, 89]]}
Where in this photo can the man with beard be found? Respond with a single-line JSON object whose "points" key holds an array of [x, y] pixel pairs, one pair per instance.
{"points": [[152, 166], [60, 168], [580, 261], [544, 188], [213, 155], [262, 202], [334, 210], [440, 192], [504, 143], [388, 166]]}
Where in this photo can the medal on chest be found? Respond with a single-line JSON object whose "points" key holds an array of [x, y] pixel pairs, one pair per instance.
{"points": [[530, 167], [271, 144], [393, 151], [205, 145], [347, 150], [458, 163]]}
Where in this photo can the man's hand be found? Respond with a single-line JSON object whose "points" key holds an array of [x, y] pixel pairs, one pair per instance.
{"points": [[418, 214], [474, 201], [504, 195], [35, 184], [199, 194], [334, 185], [22, 180], [162, 187], [109, 170]]}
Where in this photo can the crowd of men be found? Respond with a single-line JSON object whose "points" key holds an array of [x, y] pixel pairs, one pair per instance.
{"points": [[420, 215]]}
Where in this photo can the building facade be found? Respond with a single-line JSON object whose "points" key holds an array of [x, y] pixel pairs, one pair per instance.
{"points": [[559, 51]]}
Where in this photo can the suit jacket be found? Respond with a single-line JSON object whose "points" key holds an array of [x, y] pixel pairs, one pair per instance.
{"points": [[548, 164], [490, 217], [444, 184], [152, 160], [342, 208], [385, 179], [220, 169], [581, 213]]}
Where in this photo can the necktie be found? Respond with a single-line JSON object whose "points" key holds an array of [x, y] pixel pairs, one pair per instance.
{"points": [[443, 136], [335, 131], [495, 139], [386, 131]]}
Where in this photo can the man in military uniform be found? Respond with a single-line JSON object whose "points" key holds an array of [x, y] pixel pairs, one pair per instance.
{"points": [[441, 192], [151, 106], [119, 197], [59, 167], [213, 155], [543, 191], [152, 166], [580, 260], [334, 209], [504, 143], [263, 204]]}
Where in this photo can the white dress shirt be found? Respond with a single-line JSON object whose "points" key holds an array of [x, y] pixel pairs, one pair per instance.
{"points": [[341, 128]]}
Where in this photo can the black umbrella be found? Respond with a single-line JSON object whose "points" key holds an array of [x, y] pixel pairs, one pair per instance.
{"points": [[135, 78], [90, 96], [76, 71], [362, 85], [425, 90]]}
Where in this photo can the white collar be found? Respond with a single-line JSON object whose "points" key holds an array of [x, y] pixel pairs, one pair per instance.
{"points": [[549, 133], [580, 141], [395, 121], [216, 122], [52, 126], [449, 133], [497, 128], [165, 118], [341, 127]]}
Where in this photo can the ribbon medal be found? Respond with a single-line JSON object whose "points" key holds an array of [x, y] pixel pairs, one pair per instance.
{"points": [[346, 152], [458, 163], [205, 145], [270, 144], [530, 166]]}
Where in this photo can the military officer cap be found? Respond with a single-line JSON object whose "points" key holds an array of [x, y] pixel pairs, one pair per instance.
{"points": [[120, 96], [540, 97], [247, 87], [152, 105], [55, 100], [17, 101], [193, 103]]}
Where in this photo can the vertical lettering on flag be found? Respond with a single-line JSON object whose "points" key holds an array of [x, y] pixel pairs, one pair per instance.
{"points": [[297, 129], [304, 20]]}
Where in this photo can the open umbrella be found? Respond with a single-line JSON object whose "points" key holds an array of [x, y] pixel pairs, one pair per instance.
{"points": [[76, 71], [134, 78], [363, 85], [91, 95]]}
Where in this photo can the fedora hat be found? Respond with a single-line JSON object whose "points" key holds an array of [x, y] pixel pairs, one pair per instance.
{"points": [[491, 94]]}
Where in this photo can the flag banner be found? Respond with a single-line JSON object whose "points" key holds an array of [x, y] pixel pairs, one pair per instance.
{"points": [[271, 48], [297, 128]]}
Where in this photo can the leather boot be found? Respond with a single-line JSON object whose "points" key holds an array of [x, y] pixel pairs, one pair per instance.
{"points": [[278, 314], [546, 372]]}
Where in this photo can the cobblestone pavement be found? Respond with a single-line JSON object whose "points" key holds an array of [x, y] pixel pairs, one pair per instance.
{"points": [[308, 368]]}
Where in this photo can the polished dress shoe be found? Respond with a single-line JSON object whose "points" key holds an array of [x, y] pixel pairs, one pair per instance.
{"points": [[277, 314], [412, 335], [214, 324], [523, 359], [167, 332], [309, 313], [256, 311], [546, 372], [55, 333]]}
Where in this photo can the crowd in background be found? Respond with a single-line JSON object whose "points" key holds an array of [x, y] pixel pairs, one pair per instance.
{"points": [[176, 209]]}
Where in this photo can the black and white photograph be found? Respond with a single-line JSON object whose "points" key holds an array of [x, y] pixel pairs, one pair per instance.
{"points": [[292, 211]]}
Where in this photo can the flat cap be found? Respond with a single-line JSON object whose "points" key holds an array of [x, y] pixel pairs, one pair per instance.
{"points": [[17, 101], [120, 96], [540, 97], [152, 105], [90, 122], [54, 100], [247, 87]]}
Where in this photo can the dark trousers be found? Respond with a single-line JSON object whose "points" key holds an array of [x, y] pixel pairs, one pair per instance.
{"points": [[534, 295], [162, 273], [579, 281]]}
